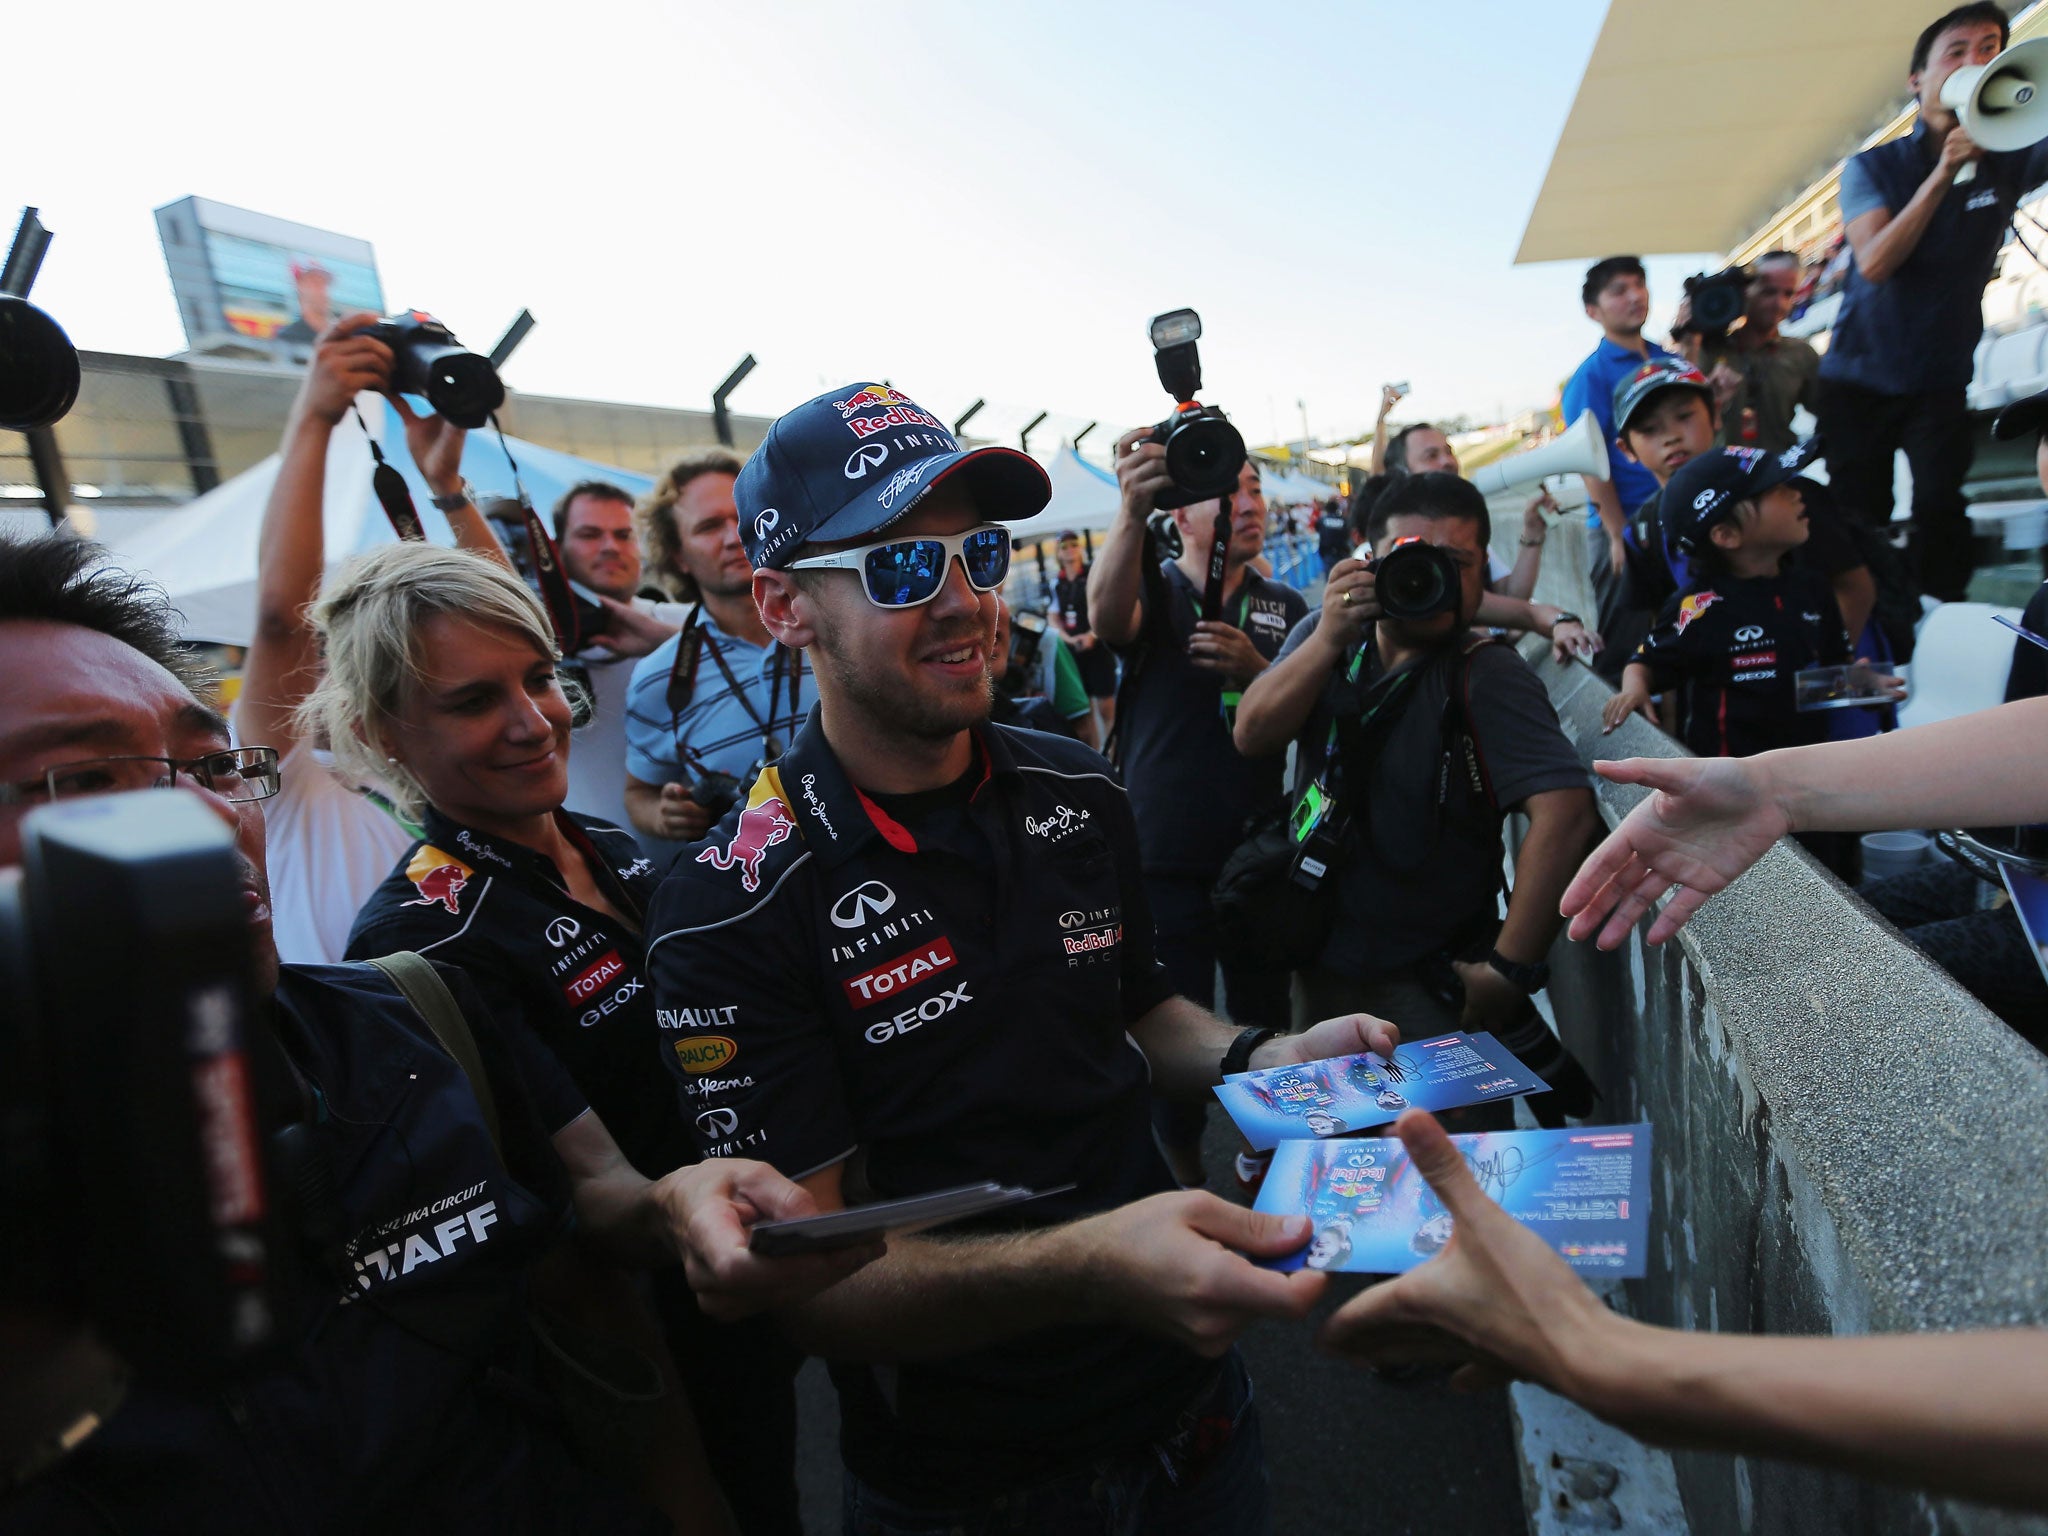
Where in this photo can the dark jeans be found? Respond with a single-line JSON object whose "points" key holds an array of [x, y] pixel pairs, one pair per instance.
{"points": [[1215, 1489], [1985, 951], [1184, 929], [1862, 429], [741, 1382]]}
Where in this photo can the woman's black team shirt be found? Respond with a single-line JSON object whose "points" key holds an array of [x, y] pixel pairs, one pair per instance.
{"points": [[575, 975]]}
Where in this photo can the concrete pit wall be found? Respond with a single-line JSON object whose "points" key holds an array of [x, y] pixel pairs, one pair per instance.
{"points": [[1846, 1142]]}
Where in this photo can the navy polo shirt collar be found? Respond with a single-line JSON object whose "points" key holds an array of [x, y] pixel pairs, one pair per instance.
{"points": [[837, 821], [500, 855]]}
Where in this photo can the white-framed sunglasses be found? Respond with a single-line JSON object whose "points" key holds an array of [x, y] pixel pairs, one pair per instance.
{"points": [[905, 573]]}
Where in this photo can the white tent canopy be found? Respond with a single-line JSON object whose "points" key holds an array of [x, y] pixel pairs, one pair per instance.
{"points": [[204, 555], [1084, 498]]}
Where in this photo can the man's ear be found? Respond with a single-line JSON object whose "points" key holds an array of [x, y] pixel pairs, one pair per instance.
{"points": [[1593, 313], [785, 608]]}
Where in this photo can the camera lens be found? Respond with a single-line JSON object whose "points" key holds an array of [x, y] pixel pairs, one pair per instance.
{"points": [[1416, 583], [1203, 455], [464, 388], [38, 367]]}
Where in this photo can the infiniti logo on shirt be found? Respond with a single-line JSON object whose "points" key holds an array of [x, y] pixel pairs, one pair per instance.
{"points": [[562, 930], [853, 909]]}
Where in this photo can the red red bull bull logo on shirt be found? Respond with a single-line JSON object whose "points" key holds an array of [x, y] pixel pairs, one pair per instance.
{"points": [[1690, 608], [438, 878], [764, 823]]}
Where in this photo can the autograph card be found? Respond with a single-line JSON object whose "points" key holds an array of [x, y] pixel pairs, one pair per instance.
{"points": [[2022, 631], [1843, 687], [1348, 1093], [1585, 1191], [2029, 893]]}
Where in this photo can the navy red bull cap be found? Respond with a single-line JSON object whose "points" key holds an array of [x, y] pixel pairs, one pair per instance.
{"points": [[1707, 490], [1659, 373], [855, 460]]}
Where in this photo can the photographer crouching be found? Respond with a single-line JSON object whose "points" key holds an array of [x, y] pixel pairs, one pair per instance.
{"points": [[1416, 741]]}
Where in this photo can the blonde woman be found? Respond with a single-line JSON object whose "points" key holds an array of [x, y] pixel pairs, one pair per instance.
{"points": [[441, 679]]}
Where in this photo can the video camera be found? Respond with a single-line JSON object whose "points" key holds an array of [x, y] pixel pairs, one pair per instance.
{"points": [[1717, 302], [1204, 452], [133, 1193], [427, 360], [38, 364], [1415, 580], [1027, 640]]}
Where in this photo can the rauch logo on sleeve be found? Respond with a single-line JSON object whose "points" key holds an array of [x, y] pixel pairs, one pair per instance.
{"points": [[705, 1053]]}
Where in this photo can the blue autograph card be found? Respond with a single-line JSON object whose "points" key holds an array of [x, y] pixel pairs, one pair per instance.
{"points": [[2029, 893], [1586, 1192], [1348, 1093]]}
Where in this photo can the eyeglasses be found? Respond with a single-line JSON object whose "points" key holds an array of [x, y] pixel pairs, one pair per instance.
{"points": [[904, 573], [243, 773]]}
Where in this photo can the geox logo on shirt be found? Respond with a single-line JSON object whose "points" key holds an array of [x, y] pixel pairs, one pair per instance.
{"points": [[882, 1032]]}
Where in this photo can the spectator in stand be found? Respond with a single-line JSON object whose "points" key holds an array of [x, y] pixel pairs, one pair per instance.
{"points": [[594, 529], [734, 699], [1665, 416], [1760, 377], [1192, 792], [1617, 298], [1731, 642], [331, 839], [1070, 612], [444, 670], [406, 1394], [1397, 720], [1904, 342]]}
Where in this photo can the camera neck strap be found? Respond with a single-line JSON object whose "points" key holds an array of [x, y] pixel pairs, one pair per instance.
{"points": [[1219, 562], [691, 645], [392, 493]]}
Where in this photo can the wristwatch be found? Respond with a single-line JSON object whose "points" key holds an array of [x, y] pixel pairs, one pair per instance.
{"points": [[1530, 978], [1239, 1057], [1567, 618], [455, 499]]}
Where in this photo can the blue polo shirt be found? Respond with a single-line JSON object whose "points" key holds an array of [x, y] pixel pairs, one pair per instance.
{"points": [[1592, 389], [719, 728], [1918, 329]]}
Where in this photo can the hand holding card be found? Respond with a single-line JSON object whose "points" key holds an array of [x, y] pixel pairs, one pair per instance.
{"points": [[1334, 1097]]}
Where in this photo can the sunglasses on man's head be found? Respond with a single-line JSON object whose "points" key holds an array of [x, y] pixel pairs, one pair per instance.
{"points": [[905, 573]]}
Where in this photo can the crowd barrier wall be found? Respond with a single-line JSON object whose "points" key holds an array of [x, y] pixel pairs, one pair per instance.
{"points": [[1845, 1141]]}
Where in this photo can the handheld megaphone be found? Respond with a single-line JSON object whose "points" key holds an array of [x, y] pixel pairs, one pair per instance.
{"points": [[1580, 449], [2002, 105]]}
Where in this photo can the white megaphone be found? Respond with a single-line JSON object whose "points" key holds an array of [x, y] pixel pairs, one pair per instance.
{"points": [[1581, 449], [2002, 105]]}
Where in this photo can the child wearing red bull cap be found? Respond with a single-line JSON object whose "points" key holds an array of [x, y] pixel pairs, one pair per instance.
{"points": [[1729, 644]]}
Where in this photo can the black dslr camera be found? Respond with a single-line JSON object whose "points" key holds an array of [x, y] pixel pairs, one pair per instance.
{"points": [[427, 360], [132, 1161], [1204, 452], [573, 609], [1027, 642], [1718, 300], [1415, 580]]}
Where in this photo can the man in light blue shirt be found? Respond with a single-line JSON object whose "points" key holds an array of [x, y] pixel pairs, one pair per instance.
{"points": [[720, 697], [1617, 297]]}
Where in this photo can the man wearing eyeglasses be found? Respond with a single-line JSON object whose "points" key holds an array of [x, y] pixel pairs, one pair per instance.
{"points": [[919, 954], [416, 1220]]}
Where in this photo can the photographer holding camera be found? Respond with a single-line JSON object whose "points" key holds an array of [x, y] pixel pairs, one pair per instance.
{"points": [[444, 670], [1417, 741], [711, 706], [417, 1187], [330, 840], [1760, 377], [598, 539], [1899, 364]]}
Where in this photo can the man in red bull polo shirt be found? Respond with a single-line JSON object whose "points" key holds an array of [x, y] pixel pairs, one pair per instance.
{"points": [[919, 954]]}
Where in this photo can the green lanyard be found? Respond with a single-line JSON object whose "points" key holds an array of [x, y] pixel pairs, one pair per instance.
{"points": [[1230, 700]]}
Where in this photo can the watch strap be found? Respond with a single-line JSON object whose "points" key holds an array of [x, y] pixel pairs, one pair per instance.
{"points": [[1239, 1057], [1530, 978], [454, 499]]}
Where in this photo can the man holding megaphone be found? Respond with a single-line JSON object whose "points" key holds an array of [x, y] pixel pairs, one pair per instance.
{"points": [[1925, 216]]}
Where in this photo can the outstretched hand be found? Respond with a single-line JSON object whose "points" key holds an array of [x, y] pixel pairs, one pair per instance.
{"points": [[435, 444], [1349, 1034], [1708, 821], [1497, 1301], [710, 1206]]}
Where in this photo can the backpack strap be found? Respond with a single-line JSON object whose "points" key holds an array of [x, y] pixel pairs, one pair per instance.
{"points": [[414, 975]]}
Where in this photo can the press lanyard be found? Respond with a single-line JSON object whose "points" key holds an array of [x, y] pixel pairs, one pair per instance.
{"points": [[682, 681]]}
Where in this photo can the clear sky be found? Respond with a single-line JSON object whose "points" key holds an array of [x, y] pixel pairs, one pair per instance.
{"points": [[969, 199]]}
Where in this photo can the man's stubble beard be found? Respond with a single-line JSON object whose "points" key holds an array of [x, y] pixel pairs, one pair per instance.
{"points": [[895, 710]]}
